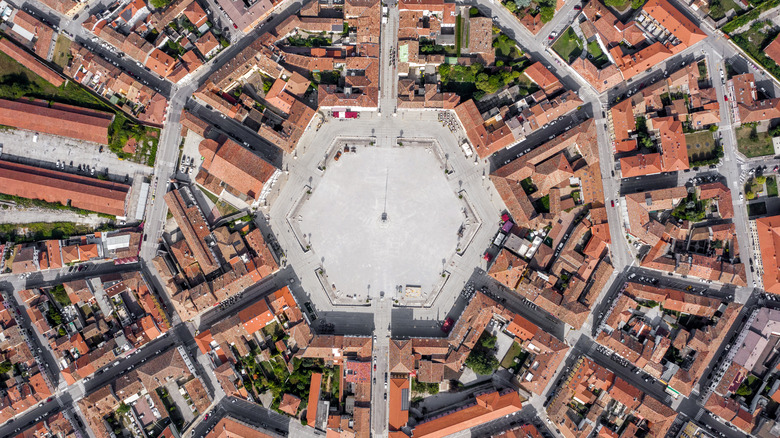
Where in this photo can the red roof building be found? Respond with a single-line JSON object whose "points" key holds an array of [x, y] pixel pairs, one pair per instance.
{"points": [[160, 63], [768, 230], [488, 407], [238, 168], [56, 119], [256, 316], [315, 385], [63, 188], [399, 402]]}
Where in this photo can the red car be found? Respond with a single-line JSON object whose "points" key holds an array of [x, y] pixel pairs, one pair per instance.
{"points": [[487, 256], [447, 326], [613, 202], [234, 26]]}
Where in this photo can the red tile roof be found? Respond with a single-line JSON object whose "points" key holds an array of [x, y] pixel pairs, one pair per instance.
{"points": [[315, 385], [488, 407], [160, 63], [768, 230], [64, 188], [56, 119], [773, 50], [236, 166], [256, 316], [398, 416]]}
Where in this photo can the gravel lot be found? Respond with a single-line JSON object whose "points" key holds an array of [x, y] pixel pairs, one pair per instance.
{"points": [[19, 145]]}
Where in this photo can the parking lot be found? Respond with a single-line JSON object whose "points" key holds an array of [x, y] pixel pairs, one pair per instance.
{"points": [[65, 154]]}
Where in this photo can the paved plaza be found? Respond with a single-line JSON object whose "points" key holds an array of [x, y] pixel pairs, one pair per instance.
{"points": [[360, 252]]}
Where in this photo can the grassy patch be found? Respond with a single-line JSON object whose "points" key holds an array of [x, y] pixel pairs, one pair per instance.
{"points": [[771, 186], [62, 51], [225, 209], [596, 55], [514, 350], [528, 185], [458, 35], [41, 231], [543, 204], [122, 129], [702, 70], [569, 46], [214, 198], [753, 143], [699, 143]]}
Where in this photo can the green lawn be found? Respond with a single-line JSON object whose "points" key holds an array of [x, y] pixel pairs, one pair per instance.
{"points": [[754, 146], [568, 45], [514, 350], [700, 144], [225, 209], [61, 51], [771, 186], [596, 55]]}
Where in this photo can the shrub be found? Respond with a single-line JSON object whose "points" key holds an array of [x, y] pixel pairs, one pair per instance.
{"points": [[548, 12]]}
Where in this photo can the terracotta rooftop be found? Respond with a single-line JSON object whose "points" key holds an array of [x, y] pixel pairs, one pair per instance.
{"points": [[64, 188], [236, 166], [56, 119], [768, 230], [487, 407]]}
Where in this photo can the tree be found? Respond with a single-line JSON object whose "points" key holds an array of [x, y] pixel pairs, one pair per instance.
{"points": [[59, 295], [522, 4], [482, 362], [159, 4], [511, 6], [123, 408], [547, 13], [761, 179], [753, 133], [55, 318], [488, 342], [636, 4], [750, 195], [473, 11], [5, 366]]}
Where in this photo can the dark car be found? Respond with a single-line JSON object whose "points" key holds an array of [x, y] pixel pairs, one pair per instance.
{"points": [[385, 396], [577, 8]]}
